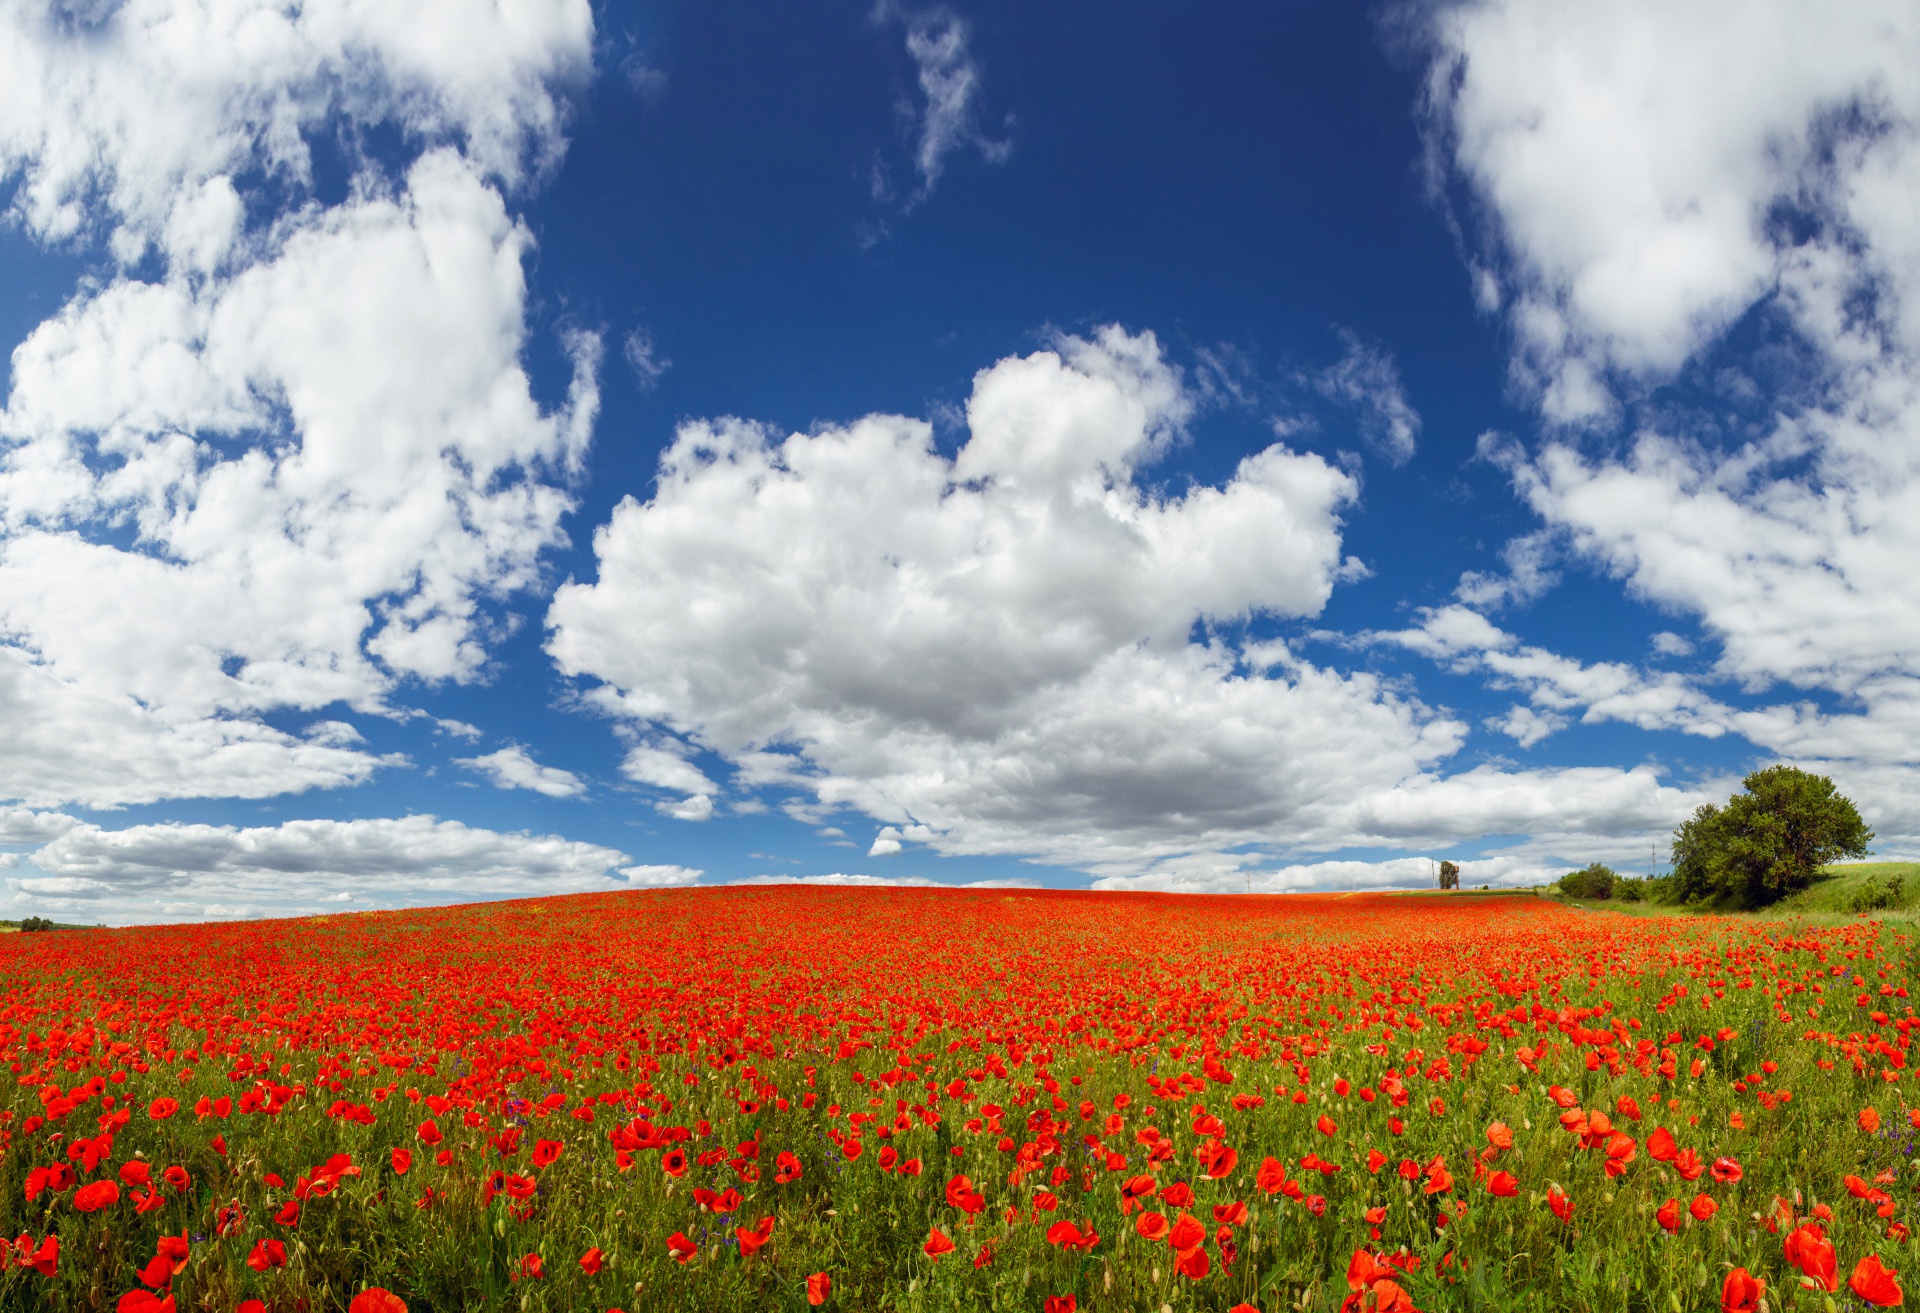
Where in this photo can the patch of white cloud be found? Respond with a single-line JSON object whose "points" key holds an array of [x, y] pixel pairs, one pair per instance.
{"points": [[21, 825], [857, 881], [134, 121], [1653, 173], [946, 116], [513, 767], [148, 872], [1669, 644], [1366, 381], [996, 653], [299, 443], [645, 360], [1528, 577]]}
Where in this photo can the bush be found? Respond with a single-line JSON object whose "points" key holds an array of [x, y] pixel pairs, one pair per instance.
{"points": [[1874, 896], [1629, 890], [1592, 881], [36, 923], [1769, 841]]}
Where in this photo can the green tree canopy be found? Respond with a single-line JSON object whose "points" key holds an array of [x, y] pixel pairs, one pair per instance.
{"points": [[1769, 841], [1592, 881]]}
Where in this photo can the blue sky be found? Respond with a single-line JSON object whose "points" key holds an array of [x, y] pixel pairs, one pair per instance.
{"points": [[1261, 447]]}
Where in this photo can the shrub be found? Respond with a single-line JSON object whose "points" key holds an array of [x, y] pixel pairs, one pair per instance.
{"points": [[36, 923], [1874, 896], [1630, 890], [1592, 881]]}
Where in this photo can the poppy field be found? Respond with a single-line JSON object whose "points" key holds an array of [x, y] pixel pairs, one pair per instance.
{"points": [[933, 1099]]}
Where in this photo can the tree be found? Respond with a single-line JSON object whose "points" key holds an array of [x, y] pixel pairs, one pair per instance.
{"points": [[1592, 881], [1769, 841], [36, 923], [1449, 876]]}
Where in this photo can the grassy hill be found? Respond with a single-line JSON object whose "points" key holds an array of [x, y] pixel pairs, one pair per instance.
{"points": [[1839, 886]]}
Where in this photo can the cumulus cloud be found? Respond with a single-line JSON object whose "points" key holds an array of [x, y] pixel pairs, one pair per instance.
{"points": [[300, 445], [191, 871], [20, 825], [513, 767], [1366, 381], [946, 117], [1652, 175], [996, 652], [138, 118]]}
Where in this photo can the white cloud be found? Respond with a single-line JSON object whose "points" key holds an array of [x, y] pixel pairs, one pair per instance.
{"points": [[993, 653], [697, 808], [304, 451], [882, 881], [659, 876], [648, 365], [1528, 577], [513, 767], [1632, 156], [1526, 726], [148, 872], [1366, 381], [19, 825], [886, 843], [137, 120], [947, 117], [1654, 174]]}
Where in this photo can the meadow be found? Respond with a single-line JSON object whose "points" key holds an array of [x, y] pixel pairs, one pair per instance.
{"points": [[788, 1097]]}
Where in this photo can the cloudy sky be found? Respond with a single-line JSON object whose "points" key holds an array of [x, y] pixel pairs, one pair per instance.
{"points": [[475, 449]]}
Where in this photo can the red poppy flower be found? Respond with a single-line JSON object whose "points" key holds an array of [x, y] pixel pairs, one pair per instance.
{"points": [[1187, 1232], [1059, 1304], [162, 1108], [1668, 1216], [45, 1260], [402, 1161], [1874, 1282], [1808, 1249], [1192, 1263], [177, 1179], [1504, 1184], [547, 1152], [1741, 1292], [819, 1286], [533, 1267], [267, 1254], [786, 1168], [96, 1195], [1703, 1208], [937, 1244], [429, 1132], [1726, 1171], [591, 1261], [1558, 1201], [1068, 1236], [674, 1162], [1152, 1226], [680, 1247], [377, 1299]]}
